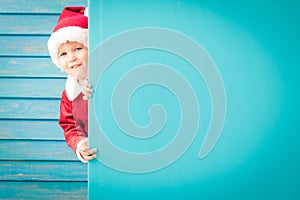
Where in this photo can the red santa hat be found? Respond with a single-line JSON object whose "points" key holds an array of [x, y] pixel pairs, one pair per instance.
{"points": [[72, 26]]}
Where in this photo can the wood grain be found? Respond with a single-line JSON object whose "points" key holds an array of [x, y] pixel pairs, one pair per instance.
{"points": [[37, 6], [43, 171], [31, 88], [35, 161], [43, 190], [33, 130], [24, 46], [29, 67], [28, 24], [35, 150], [29, 109]]}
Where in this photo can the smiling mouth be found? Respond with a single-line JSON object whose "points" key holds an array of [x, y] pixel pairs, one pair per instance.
{"points": [[75, 66]]}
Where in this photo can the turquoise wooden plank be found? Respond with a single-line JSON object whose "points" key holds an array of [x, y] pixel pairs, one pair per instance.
{"points": [[31, 88], [35, 130], [43, 190], [24, 46], [27, 24], [29, 67], [36, 6], [29, 109], [35, 150], [42, 171], [35, 138]]}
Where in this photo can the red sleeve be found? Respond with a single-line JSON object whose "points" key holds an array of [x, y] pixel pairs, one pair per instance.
{"points": [[73, 134]]}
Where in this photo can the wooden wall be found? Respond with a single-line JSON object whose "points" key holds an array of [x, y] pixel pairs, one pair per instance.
{"points": [[35, 162]]}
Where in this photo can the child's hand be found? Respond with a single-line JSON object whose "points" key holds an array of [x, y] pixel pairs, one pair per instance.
{"points": [[86, 153], [86, 89]]}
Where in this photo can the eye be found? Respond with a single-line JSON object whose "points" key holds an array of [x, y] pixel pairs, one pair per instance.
{"points": [[78, 48], [62, 54]]}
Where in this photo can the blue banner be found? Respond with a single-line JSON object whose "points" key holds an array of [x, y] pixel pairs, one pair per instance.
{"points": [[194, 99]]}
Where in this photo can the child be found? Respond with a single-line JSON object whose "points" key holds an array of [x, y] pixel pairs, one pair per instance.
{"points": [[67, 47]]}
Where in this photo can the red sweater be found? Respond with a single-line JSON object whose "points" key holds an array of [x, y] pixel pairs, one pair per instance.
{"points": [[74, 119]]}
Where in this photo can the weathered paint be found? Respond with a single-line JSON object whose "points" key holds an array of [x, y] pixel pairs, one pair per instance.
{"points": [[35, 162]]}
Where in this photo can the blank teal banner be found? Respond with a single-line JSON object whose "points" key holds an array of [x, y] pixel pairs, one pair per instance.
{"points": [[194, 99]]}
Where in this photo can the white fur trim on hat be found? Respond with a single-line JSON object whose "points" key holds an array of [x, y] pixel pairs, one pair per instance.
{"points": [[70, 33]]}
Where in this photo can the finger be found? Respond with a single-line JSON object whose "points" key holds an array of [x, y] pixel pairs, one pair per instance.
{"points": [[87, 152], [86, 87], [90, 157], [92, 151], [88, 94], [84, 153], [86, 83], [87, 90], [85, 97]]}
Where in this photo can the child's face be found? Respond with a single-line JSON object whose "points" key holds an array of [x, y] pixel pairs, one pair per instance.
{"points": [[72, 56]]}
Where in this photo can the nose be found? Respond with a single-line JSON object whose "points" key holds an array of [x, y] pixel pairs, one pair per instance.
{"points": [[71, 57]]}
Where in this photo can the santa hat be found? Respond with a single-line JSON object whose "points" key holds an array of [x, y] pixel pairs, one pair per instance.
{"points": [[72, 26]]}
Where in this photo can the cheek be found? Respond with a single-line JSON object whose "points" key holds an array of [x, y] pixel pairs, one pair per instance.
{"points": [[61, 62], [64, 66], [85, 57]]}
